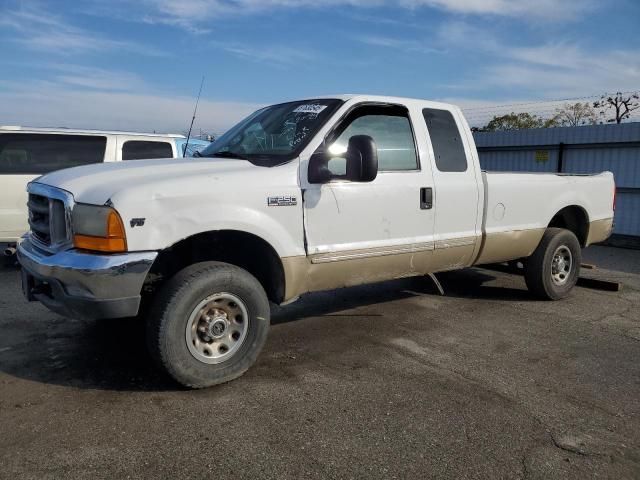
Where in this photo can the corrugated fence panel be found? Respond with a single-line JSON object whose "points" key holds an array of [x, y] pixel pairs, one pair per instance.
{"points": [[517, 161], [624, 162], [627, 219], [626, 132], [536, 150]]}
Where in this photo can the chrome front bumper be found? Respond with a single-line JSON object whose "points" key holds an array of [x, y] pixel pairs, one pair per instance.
{"points": [[84, 285]]}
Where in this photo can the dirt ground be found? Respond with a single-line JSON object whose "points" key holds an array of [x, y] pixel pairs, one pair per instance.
{"points": [[384, 381]]}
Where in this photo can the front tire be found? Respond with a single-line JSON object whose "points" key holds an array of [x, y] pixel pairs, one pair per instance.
{"points": [[552, 270], [208, 324]]}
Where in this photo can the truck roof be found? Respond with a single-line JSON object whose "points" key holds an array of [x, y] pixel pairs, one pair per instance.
{"points": [[63, 130], [390, 99]]}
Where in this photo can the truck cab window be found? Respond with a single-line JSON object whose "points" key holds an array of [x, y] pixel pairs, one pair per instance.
{"points": [[445, 139], [390, 128], [139, 150]]}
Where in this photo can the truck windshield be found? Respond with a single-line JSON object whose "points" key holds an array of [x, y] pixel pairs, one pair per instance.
{"points": [[274, 135]]}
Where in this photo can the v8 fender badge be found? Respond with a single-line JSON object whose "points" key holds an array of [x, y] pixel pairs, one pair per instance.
{"points": [[282, 201], [137, 222]]}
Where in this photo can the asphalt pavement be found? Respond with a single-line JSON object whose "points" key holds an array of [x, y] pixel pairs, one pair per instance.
{"points": [[384, 381]]}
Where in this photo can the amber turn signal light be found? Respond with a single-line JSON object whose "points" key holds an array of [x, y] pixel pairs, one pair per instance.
{"points": [[115, 240]]}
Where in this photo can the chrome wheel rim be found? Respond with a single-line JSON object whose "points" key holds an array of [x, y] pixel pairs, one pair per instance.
{"points": [[561, 265], [217, 328]]}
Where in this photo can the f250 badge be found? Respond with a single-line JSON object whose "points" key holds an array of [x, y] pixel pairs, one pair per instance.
{"points": [[282, 201]]}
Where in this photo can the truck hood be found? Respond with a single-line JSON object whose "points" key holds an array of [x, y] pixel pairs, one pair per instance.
{"points": [[98, 183]]}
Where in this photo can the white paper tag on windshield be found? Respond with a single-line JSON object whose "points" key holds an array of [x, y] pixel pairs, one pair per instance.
{"points": [[310, 109]]}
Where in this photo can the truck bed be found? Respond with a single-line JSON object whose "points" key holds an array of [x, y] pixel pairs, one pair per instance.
{"points": [[519, 206]]}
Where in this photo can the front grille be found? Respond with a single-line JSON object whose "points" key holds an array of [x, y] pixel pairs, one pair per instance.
{"points": [[39, 218], [47, 220]]}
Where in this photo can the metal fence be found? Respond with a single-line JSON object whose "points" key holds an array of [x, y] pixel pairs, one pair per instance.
{"points": [[587, 149]]}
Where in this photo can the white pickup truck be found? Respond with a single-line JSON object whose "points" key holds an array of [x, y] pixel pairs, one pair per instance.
{"points": [[298, 197]]}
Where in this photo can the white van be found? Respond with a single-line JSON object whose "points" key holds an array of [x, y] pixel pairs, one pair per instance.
{"points": [[26, 153]]}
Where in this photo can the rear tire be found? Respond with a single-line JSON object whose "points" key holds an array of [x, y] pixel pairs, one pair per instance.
{"points": [[208, 324], [552, 270]]}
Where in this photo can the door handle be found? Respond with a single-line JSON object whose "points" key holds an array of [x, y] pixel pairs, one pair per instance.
{"points": [[426, 198]]}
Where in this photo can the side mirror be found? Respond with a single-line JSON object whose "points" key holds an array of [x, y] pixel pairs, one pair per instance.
{"points": [[362, 159], [361, 162]]}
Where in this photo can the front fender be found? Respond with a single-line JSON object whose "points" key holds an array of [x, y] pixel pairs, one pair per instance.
{"points": [[166, 225]]}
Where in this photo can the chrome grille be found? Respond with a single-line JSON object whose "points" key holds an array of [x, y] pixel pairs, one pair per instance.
{"points": [[49, 217], [39, 218]]}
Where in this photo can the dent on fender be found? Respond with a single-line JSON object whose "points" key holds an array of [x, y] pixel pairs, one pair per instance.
{"points": [[161, 229]]}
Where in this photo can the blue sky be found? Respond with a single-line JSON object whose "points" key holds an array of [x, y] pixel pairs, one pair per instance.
{"points": [[137, 64]]}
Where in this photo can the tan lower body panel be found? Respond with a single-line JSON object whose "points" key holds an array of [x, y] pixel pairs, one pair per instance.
{"points": [[599, 230], [511, 245], [453, 254], [328, 271], [347, 269], [304, 274]]}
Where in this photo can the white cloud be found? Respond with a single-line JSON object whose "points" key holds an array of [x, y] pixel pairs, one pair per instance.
{"points": [[597, 75], [194, 15], [56, 105], [547, 9], [278, 55], [37, 28], [552, 69], [96, 78], [397, 43]]}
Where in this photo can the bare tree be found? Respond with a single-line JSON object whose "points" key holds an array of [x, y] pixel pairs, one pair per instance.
{"points": [[575, 114], [622, 104]]}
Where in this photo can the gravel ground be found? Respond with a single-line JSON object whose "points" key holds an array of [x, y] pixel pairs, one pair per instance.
{"points": [[384, 381]]}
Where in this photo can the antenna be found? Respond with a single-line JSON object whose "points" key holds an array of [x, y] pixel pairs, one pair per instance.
{"points": [[193, 119]]}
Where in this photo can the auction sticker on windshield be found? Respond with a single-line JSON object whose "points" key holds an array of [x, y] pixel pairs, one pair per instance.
{"points": [[310, 109]]}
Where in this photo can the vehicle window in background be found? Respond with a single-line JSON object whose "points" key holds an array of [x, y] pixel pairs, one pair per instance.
{"points": [[274, 134], [192, 148], [34, 153], [140, 150], [445, 138], [389, 127]]}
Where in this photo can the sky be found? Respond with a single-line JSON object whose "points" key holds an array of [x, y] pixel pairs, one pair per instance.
{"points": [[137, 65]]}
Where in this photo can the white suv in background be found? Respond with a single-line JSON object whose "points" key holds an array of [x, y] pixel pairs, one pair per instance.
{"points": [[26, 153]]}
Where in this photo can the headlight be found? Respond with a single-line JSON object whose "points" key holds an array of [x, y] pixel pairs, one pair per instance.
{"points": [[98, 228]]}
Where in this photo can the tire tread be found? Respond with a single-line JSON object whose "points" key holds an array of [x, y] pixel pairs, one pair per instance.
{"points": [[536, 279], [158, 322]]}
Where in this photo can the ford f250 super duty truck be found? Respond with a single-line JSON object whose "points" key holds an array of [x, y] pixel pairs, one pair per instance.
{"points": [[298, 197]]}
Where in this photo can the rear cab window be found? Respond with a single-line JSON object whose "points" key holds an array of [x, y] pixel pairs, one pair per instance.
{"points": [[38, 153], [144, 149], [448, 148]]}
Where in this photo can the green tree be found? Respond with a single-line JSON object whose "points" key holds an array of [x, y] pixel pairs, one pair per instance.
{"points": [[518, 121], [575, 114], [619, 106]]}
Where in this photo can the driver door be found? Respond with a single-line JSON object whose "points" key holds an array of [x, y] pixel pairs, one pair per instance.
{"points": [[363, 232]]}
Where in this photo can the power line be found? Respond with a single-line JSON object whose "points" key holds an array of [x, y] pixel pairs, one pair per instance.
{"points": [[541, 102], [551, 111]]}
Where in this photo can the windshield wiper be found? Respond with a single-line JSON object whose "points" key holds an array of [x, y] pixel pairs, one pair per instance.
{"points": [[228, 155]]}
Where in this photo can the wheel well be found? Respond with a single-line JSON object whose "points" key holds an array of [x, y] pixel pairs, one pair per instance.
{"points": [[575, 219], [242, 249]]}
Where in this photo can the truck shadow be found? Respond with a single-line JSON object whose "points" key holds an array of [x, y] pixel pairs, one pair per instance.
{"points": [[111, 354], [469, 283]]}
